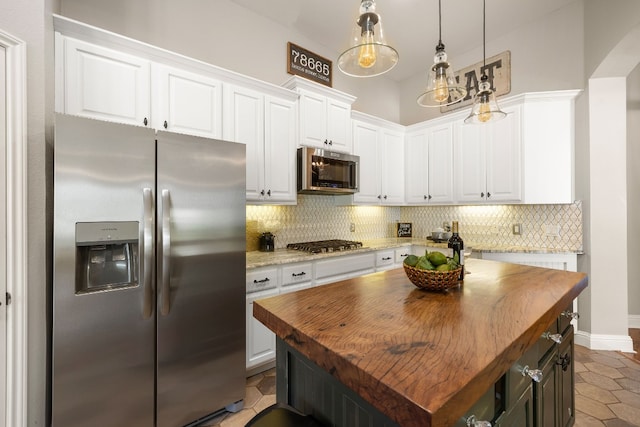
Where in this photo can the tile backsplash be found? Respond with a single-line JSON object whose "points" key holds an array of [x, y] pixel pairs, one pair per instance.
{"points": [[318, 218]]}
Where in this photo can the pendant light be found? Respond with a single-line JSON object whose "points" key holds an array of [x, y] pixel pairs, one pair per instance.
{"points": [[369, 54], [442, 88], [485, 107]]}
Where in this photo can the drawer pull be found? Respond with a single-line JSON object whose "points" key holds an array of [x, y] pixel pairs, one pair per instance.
{"points": [[534, 374], [564, 361], [387, 258], [473, 422], [557, 338], [570, 315], [265, 280], [299, 274], [405, 255]]}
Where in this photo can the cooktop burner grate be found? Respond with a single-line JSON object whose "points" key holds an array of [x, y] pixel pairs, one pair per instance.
{"points": [[322, 246]]}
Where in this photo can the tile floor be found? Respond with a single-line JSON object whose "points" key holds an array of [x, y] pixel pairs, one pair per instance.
{"points": [[607, 391]]}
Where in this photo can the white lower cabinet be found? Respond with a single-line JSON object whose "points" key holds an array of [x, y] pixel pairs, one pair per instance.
{"points": [[385, 260], [261, 342]]}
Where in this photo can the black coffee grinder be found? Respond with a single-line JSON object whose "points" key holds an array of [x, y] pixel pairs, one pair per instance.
{"points": [[267, 242]]}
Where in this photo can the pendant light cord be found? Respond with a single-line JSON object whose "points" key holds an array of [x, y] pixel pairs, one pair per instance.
{"points": [[484, 36], [439, 21]]}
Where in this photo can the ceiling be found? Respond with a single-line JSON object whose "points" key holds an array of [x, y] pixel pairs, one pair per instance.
{"points": [[411, 26]]}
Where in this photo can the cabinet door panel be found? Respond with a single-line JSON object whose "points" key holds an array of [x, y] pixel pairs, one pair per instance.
{"points": [[339, 126], [280, 149], [392, 164], [261, 342], [503, 158], [313, 119], [470, 163], [244, 123], [105, 84], [441, 164], [187, 103], [365, 145], [416, 168]]}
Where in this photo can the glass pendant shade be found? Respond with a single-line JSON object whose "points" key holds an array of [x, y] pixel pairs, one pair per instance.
{"points": [[442, 88], [369, 54], [485, 107]]}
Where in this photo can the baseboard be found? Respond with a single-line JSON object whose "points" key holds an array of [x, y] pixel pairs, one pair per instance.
{"points": [[621, 343], [634, 321]]}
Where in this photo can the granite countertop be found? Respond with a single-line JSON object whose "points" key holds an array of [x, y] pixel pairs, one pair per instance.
{"points": [[401, 347], [256, 259]]}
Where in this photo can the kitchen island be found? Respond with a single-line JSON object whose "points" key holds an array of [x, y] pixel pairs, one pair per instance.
{"points": [[411, 357]]}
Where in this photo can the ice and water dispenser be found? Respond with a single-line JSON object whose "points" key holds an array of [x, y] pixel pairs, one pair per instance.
{"points": [[107, 256]]}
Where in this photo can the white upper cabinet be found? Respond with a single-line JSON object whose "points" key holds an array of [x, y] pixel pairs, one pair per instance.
{"points": [[185, 102], [102, 83], [380, 147], [488, 160], [324, 116], [266, 124], [429, 165]]}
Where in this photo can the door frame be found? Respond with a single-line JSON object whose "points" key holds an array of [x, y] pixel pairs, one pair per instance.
{"points": [[16, 226]]}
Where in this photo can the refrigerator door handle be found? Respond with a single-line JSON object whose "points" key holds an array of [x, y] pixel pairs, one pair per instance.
{"points": [[147, 250], [166, 253]]}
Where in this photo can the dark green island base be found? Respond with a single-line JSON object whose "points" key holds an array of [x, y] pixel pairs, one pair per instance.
{"points": [[375, 351]]}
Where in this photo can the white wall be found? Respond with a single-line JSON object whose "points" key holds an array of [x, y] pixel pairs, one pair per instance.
{"points": [[633, 192], [31, 22], [545, 55], [227, 35]]}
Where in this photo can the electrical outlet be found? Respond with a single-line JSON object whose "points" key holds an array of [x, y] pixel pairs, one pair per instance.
{"points": [[516, 229], [353, 227], [552, 230]]}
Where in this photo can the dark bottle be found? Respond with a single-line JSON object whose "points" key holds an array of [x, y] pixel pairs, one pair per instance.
{"points": [[457, 245]]}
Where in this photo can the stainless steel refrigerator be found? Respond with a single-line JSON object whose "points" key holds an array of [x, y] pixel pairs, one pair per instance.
{"points": [[148, 299]]}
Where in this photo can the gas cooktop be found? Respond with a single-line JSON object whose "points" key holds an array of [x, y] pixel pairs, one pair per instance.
{"points": [[322, 246]]}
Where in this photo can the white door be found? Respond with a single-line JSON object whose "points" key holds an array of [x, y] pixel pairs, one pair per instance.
{"points": [[441, 164], [392, 167], [470, 163], [244, 123], [186, 103], [3, 240], [416, 175], [504, 176], [365, 145], [280, 149], [313, 120], [339, 126]]}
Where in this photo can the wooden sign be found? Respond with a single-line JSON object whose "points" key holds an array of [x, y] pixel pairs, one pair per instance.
{"points": [[403, 229], [304, 63], [498, 70]]}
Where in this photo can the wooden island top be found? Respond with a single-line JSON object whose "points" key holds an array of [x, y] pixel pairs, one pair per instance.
{"points": [[422, 358]]}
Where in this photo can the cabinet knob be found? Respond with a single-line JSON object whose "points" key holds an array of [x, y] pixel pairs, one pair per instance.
{"points": [[482, 195], [570, 315], [557, 338], [165, 124], [488, 194], [429, 196], [330, 142], [379, 196], [385, 197], [473, 422], [262, 193], [326, 141], [269, 193], [145, 121], [534, 374], [425, 197]]}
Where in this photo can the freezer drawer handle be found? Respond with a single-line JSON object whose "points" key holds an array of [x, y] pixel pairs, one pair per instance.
{"points": [[166, 253], [147, 245]]}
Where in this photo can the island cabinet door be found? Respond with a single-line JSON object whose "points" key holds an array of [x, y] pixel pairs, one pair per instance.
{"points": [[565, 372], [520, 414], [545, 399]]}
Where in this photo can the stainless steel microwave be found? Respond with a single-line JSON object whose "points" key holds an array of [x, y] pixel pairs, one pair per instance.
{"points": [[327, 172]]}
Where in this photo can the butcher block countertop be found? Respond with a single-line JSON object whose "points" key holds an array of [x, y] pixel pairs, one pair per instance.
{"points": [[422, 358]]}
